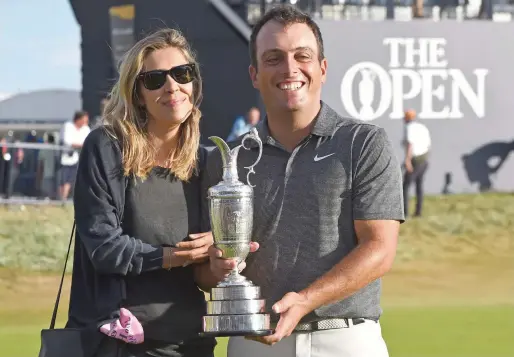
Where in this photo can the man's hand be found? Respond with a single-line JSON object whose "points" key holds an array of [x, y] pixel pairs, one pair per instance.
{"points": [[292, 307], [221, 267], [408, 166], [195, 250]]}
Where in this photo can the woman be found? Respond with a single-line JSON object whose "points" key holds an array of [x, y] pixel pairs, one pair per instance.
{"points": [[137, 197]]}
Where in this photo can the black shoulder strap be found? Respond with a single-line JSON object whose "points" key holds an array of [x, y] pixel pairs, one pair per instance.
{"points": [[56, 306]]}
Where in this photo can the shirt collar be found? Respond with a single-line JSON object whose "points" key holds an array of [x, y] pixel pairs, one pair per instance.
{"points": [[326, 123]]}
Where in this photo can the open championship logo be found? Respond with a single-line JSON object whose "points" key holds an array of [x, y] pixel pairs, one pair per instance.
{"points": [[417, 68]]}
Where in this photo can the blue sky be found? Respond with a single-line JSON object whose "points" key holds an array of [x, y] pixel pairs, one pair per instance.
{"points": [[39, 46]]}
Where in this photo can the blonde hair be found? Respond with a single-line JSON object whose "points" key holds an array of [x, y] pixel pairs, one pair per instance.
{"points": [[127, 121]]}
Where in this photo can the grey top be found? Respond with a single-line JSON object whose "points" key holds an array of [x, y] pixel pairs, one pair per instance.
{"points": [[305, 203], [162, 211]]}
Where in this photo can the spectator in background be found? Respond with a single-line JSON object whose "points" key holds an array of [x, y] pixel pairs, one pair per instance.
{"points": [[73, 136], [4, 158], [9, 164], [418, 9], [46, 171], [26, 180], [243, 125], [417, 146]]}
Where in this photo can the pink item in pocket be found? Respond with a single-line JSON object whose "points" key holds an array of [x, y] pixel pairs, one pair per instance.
{"points": [[127, 328]]}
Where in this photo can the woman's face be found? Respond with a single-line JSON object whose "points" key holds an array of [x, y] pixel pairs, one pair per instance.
{"points": [[166, 87]]}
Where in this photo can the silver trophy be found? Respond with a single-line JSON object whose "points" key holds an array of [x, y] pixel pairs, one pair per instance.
{"points": [[235, 307]]}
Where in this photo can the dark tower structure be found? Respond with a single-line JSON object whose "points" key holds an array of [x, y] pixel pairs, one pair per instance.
{"points": [[215, 29]]}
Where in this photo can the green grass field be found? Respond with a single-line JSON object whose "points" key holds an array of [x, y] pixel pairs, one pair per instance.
{"points": [[450, 293]]}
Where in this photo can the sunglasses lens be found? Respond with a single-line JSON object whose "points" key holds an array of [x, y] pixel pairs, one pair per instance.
{"points": [[183, 74], [155, 80]]}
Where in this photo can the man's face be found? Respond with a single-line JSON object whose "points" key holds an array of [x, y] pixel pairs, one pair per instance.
{"points": [[409, 116], [253, 117], [82, 121], [85, 120], [289, 74]]}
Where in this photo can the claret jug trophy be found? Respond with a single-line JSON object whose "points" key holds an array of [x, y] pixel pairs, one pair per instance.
{"points": [[235, 307]]}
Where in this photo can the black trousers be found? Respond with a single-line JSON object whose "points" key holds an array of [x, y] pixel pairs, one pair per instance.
{"points": [[417, 175], [115, 348]]}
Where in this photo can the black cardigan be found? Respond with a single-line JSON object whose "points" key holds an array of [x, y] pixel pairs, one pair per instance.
{"points": [[103, 254]]}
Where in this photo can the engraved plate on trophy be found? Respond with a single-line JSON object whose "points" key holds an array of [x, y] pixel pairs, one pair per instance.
{"points": [[235, 307]]}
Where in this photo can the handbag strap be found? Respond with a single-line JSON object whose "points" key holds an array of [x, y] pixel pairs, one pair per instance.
{"points": [[56, 306]]}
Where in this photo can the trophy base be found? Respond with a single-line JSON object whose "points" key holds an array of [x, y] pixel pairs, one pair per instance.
{"points": [[236, 310], [237, 325], [255, 333]]}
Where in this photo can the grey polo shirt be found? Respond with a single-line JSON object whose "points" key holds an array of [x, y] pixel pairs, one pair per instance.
{"points": [[305, 203]]}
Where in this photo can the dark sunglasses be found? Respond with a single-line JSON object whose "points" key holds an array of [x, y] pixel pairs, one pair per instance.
{"points": [[183, 74]]}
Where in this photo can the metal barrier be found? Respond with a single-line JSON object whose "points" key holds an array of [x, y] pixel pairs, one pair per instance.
{"points": [[32, 173], [402, 10]]}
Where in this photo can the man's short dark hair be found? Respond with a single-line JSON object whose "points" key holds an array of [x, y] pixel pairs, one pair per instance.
{"points": [[285, 15], [79, 114]]}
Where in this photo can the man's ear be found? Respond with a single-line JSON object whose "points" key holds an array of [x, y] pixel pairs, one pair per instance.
{"points": [[324, 65], [253, 76]]}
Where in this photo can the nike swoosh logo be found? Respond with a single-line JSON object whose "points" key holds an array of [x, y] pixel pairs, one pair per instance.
{"points": [[316, 158]]}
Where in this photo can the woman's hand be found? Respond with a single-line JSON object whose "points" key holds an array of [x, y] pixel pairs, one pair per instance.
{"points": [[193, 251], [221, 267]]}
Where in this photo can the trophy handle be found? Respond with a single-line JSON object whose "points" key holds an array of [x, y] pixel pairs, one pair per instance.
{"points": [[252, 135]]}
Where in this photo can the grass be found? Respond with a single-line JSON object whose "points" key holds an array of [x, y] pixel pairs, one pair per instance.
{"points": [[448, 295], [34, 238], [449, 331]]}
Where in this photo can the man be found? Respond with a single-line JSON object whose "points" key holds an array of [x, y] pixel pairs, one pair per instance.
{"points": [[327, 205], [46, 172], [417, 9], [417, 146], [12, 159], [73, 135], [4, 159], [243, 125]]}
